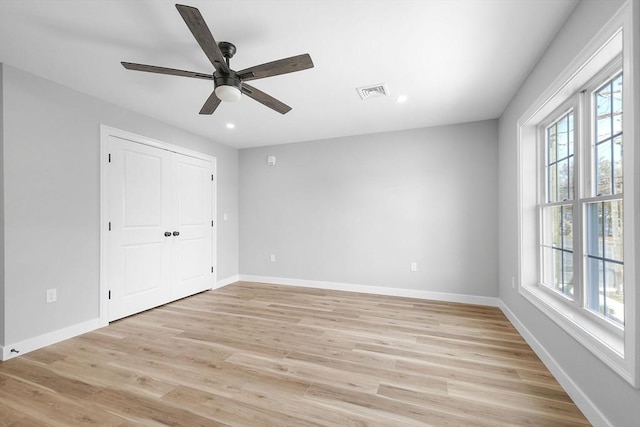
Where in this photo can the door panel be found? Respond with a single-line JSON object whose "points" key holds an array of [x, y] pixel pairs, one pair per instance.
{"points": [[192, 191], [193, 215], [143, 187], [142, 268], [192, 258], [139, 209]]}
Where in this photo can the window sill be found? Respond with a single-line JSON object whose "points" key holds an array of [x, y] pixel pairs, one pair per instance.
{"points": [[606, 344]]}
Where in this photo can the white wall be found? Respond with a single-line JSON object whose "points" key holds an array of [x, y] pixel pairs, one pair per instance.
{"points": [[51, 151], [358, 210], [608, 393]]}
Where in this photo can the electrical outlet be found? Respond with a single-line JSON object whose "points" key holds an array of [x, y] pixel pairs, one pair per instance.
{"points": [[52, 295], [273, 258], [414, 266]]}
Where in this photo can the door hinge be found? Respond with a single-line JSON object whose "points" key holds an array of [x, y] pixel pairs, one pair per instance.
{"points": [[212, 223], [109, 294], [109, 157], [211, 177], [212, 269], [109, 225]]}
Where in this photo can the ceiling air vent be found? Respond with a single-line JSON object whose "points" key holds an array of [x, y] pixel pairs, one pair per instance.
{"points": [[374, 91]]}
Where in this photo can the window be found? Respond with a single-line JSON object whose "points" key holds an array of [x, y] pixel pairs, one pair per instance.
{"points": [[557, 207], [593, 193], [578, 237], [604, 211]]}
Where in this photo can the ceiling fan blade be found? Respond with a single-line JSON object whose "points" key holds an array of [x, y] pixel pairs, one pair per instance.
{"points": [[210, 104], [281, 66], [201, 32], [163, 70], [265, 99]]}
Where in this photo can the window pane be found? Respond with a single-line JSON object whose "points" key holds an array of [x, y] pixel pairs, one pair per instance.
{"points": [[603, 168], [551, 144], [552, 182], [557, 270], [558, 227], [605, 230], [606, 290], [617, 105], [570, 133], [613, 226], [549, 271], [562, 139], [617, 165], [552, 217], [605, 253], [563, 179], [559, 160], [594, 230], [557, 257], [567, 227], [568, 273], [603, 112], [571, 193], [614, 291], [595, 285]]}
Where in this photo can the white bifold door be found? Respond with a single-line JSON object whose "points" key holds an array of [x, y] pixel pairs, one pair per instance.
{"points": [[160, 217]]}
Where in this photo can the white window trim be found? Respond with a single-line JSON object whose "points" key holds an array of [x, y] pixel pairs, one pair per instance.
{"points": [[620, 352]]}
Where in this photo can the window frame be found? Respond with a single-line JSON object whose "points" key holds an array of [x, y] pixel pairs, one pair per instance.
{"points": [[582, 104], [607, 73], [570, 105], [620, 350]]}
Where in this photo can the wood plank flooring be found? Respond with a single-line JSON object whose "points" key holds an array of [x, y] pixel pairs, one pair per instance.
{"points": [[264, 355]]}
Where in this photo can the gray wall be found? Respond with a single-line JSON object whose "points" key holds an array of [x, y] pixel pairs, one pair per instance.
{"points": [[1, 216], [51, 197], [617, 400], [358, 210]]}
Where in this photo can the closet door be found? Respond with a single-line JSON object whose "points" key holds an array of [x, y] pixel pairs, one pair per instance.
{"points": [[139, 258], [192, 219]]}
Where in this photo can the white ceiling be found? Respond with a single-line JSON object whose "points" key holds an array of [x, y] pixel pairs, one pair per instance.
{"points": [[457, 61]]}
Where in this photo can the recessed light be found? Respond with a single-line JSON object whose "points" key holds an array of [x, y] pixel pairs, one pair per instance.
{"points": [[230, 126], [401, 99]]}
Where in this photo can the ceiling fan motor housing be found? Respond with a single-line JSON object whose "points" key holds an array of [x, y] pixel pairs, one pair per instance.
{"points": [[223, 84], [230, 79]]}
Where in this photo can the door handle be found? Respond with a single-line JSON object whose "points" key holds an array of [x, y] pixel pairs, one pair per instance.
{"points": [[167, 234], [176, 233]]}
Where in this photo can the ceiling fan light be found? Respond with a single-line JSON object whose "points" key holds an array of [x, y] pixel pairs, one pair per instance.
{"points": [[228, 93]]}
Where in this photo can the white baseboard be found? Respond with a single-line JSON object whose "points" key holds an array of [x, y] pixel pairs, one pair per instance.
{"points": [[581, 400], [378, 290], [44, 340], [226, 281]]}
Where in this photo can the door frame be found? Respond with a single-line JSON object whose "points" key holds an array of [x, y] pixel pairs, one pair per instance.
{"points": [[105, 133]]}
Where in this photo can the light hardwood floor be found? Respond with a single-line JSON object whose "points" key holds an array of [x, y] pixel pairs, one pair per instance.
{"points": [[264, 355]]}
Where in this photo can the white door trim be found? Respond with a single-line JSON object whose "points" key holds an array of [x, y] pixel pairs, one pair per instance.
{"points": [[105, 133]]}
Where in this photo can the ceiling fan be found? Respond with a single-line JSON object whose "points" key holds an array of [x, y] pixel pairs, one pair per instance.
{"points": [[228, 84]]}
